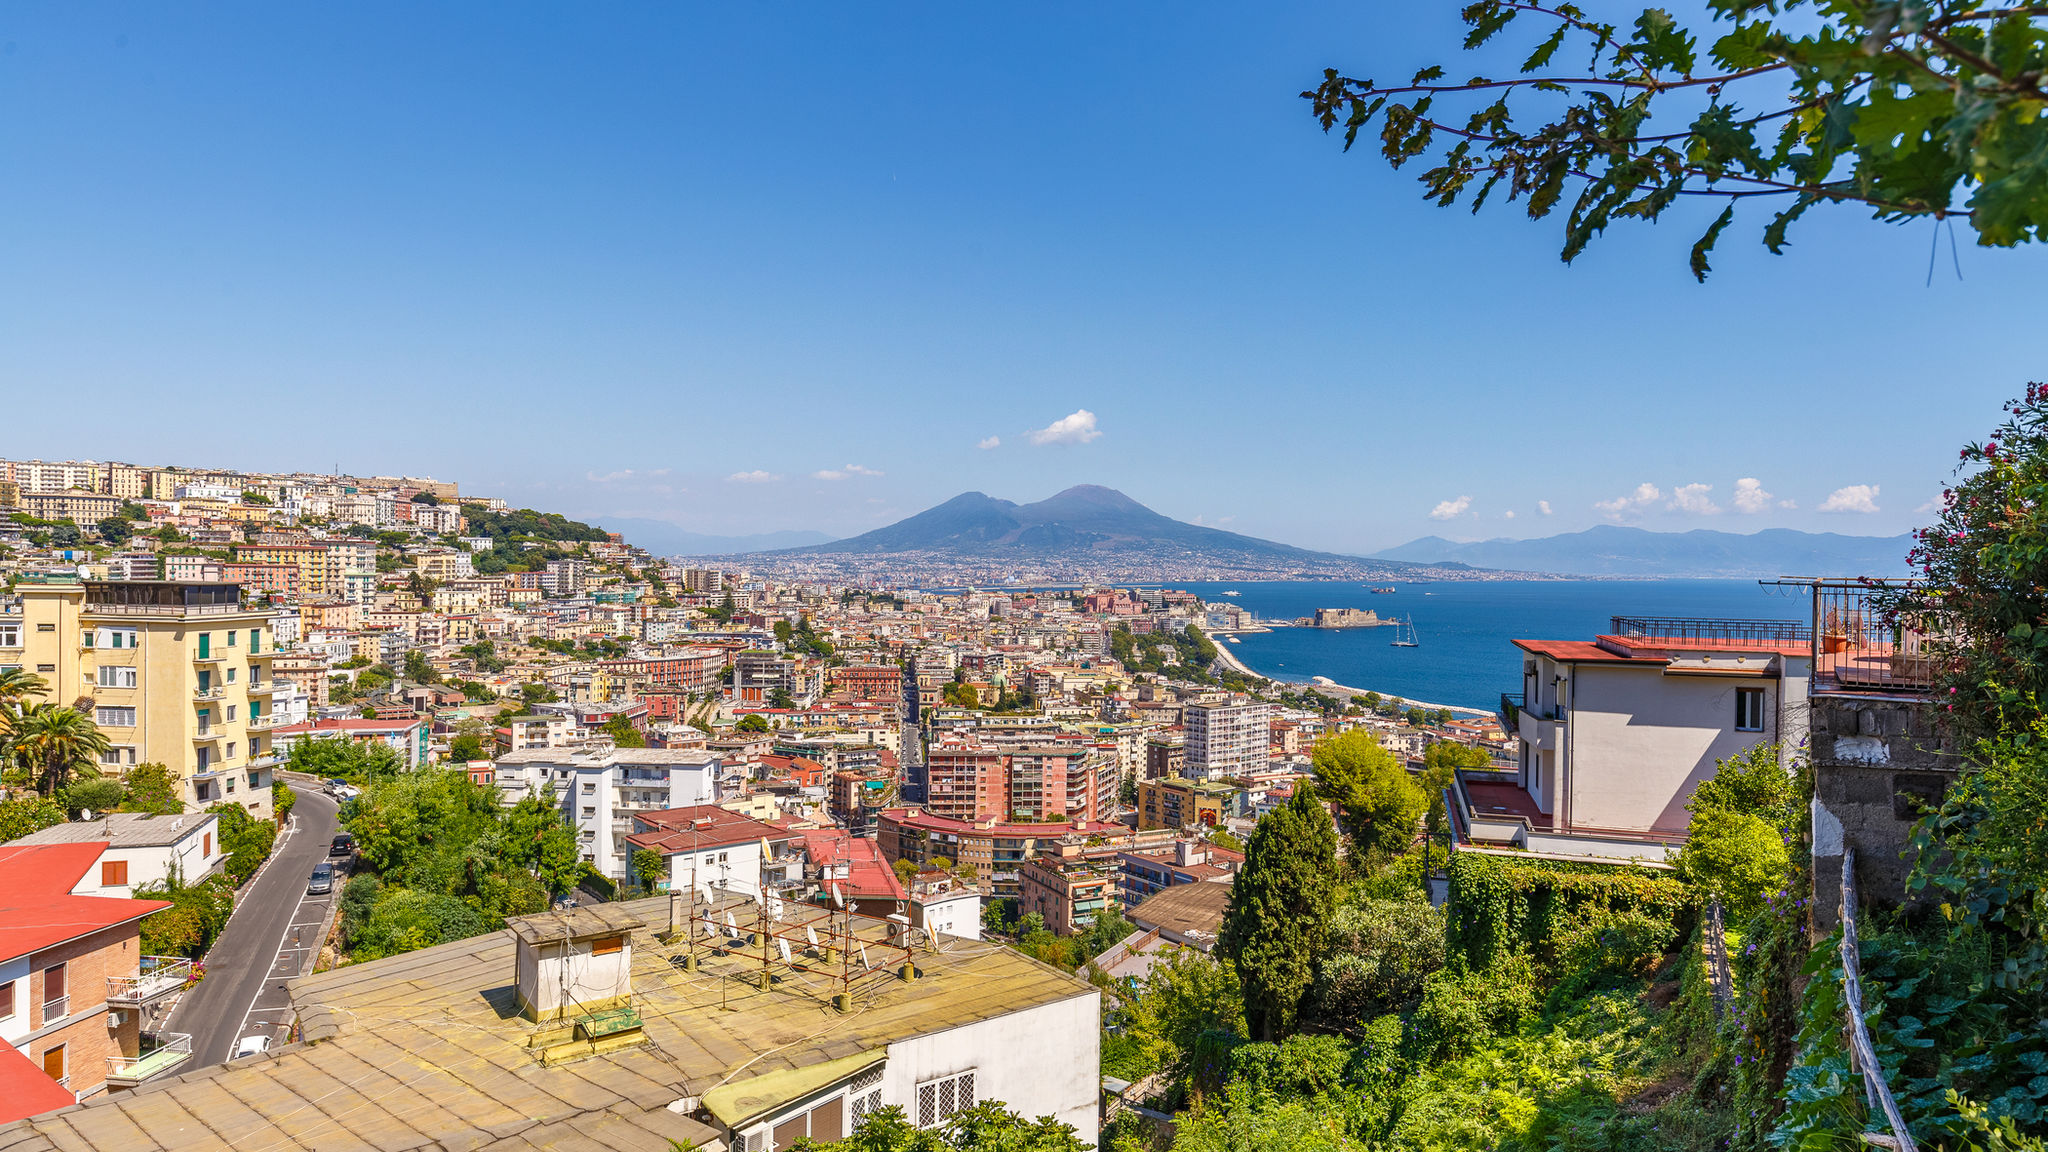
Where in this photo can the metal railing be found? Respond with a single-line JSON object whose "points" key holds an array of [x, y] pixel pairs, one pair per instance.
{"points": [[162, 1052], [1511, 711], [56, 1008], [93, 609], [1861, 642], [214, 693], [157, 976], [1708, 628]]}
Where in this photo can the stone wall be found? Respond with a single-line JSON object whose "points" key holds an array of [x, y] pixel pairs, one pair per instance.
{"points": [[1877, 761]]}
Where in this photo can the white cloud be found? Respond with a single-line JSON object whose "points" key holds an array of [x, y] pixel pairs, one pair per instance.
{"points": [[1692, 500], [1854, 498], [1543, 506], [757, 476], [1750, 497], [1509, 514], [1788, 503], [843, 473], [1645, 495], [990, 442], [1450, 509], [1077, 427], [1932, 506]]}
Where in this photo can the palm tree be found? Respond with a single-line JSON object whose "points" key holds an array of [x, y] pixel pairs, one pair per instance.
{"points": [[58, 743], [15, 684]]}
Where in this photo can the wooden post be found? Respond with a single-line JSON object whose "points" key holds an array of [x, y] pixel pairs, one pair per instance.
{"points": [[1861, 1053]]}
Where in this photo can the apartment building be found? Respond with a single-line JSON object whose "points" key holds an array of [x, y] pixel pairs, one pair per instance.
{"points": [[994, 849], [1181, 803], [72, 504], [757, 676], [882, 683], [1146, 872], [176, 673], [308, 560], [689, 670], [1069, 887], [967, 779], [601, 788], [1226, 739], [72, 982], [1614, 733]]}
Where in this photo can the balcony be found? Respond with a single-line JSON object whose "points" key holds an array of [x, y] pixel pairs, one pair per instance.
{"points": [[216, 692], [56, 1009], [161, 1052], [1873, 639], [265, 723], [205, 735], [209, 657], [267, 760], [1511, 712], [159, 977], [1738, 633], [94, 608], [264, 689]]}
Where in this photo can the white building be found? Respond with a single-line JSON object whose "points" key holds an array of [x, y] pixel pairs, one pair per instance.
{"points": [[717, 851], [1616, 732], [1226, 739], [600, 788], [141, 849]]}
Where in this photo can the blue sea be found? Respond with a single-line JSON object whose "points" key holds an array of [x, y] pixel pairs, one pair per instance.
{"points": [[1464, 627]]}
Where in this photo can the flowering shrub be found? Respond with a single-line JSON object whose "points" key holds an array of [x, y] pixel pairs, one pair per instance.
{"points": [[1983, 561]]}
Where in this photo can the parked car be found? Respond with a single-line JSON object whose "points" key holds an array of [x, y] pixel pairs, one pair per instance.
{"points": [[322, 882], [344, 844], [335, 784], [251, 1046]]}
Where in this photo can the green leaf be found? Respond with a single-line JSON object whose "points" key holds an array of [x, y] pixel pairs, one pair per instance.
{"points": [[1745, 47], [1700, 268], [1774, 235], [1545, 50], [1433, 72]]}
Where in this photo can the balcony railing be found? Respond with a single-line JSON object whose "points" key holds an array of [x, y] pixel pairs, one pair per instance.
{"points": [[161, 1052], [1707, 628], [159, 976], [93, 609], [1511, 712], [56, 1009], [267, 760], [213, 657], [265, 688], [1870, 639], [265, 723], [213, 693]]}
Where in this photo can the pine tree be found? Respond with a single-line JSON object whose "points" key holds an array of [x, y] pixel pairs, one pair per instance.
{"points": [[1279, 912]]}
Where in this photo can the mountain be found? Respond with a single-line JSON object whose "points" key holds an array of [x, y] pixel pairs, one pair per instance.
{"points": [[1610, 550], [1086, 529], [665, 539]]}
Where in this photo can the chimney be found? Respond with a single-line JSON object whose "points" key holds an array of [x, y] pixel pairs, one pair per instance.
{"points": [[1186, 852]]}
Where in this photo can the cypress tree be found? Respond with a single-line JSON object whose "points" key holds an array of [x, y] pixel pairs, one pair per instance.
{"points": [[1279, 912]]}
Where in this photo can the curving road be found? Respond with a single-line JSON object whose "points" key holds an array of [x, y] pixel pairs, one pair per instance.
{"points": [[273, 936]]}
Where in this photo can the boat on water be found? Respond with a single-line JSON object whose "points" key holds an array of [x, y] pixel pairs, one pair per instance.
{"points": [[1233, 592], [1233, 639], [1404, 634], [1382, 591]]}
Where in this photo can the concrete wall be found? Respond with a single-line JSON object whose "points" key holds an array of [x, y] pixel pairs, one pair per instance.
{"points": [[1877, 760], [1008, 1056], [1640, 741]]}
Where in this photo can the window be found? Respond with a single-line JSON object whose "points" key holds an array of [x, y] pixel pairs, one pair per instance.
{"points": [[255, 641], [607, 945], [589, 811], [231, 637], [864, 1095], [118, 755], [1749, 709], [206, 844], [114, 717], [230, 755], [938, 1100], [231, 713], [116, 676], [231, 674], [46, 627], [46, 667], [7, 1000], [55, 1002], [53, 1064], [589, 789], [231, 785], [113, 873], [10, 635]]}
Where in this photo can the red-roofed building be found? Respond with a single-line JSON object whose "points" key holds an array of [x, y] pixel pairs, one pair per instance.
{"points": [[72, 981], [407, 736], [715, 849], [1612, 734], [995, 850]]}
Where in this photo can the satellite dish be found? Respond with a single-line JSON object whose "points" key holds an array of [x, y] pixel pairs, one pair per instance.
{"points": [[85, 814]]}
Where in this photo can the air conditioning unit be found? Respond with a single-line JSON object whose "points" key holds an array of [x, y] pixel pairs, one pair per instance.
{"points": [[116, 1018]]}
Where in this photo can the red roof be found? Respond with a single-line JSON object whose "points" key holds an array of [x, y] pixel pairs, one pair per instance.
{"points": [[352, 726], [37, 909], [919, 819], [700, 826], [1582, 652], [868, 874], [25, 1090]]}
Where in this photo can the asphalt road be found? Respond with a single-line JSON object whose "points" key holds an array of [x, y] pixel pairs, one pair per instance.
{"points": [[273, 937]]}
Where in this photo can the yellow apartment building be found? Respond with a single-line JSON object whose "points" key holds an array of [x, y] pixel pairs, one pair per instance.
{"points": [[1181, 803], [309, 560], [172, 673]]}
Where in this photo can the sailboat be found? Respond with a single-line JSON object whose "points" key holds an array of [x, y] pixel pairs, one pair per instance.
{"points": [[1404, 634]]}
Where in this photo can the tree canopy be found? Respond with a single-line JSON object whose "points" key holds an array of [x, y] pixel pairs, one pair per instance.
{"points": [[1908, 110], [1372, 790], [1279, 911]]}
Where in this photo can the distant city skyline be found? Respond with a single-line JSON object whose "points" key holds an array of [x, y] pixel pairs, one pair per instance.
{"points": [[628, 268]]}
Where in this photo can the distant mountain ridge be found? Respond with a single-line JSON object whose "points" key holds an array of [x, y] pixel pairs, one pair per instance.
{"points": [[1612, 550], [1087, 526], [665, 539]]}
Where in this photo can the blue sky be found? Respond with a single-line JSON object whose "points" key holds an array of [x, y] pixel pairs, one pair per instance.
{"points": [[758, 267]]}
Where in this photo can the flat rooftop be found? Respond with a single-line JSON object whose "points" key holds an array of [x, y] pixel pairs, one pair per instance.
{"points": [[427, 1050], [122, 830]]}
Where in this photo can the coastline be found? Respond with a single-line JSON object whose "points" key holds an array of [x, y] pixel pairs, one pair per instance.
{"points": [[1344, 692]]}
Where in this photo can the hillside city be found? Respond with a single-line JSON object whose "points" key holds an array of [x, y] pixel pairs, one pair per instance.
{"points": [[1320, 577]]}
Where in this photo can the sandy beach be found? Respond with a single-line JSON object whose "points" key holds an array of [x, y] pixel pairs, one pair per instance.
{"points": [[1326, 684]]}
